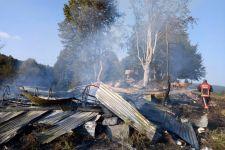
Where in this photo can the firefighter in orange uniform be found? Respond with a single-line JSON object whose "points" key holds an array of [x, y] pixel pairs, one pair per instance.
{"points": [[205, 90]]}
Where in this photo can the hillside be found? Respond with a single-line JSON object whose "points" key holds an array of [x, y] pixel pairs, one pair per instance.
{"points": [[29, 72], [8, 67]]}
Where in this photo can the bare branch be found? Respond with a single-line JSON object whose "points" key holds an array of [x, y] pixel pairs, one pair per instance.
{"points": [[156, 39], [138, 50]]}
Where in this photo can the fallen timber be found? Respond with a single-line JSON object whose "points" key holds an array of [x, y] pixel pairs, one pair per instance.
{"points": [[124, 110]]}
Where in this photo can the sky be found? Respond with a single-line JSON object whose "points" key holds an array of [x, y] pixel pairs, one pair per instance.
{"points": [[29, 29], [209, 34]]}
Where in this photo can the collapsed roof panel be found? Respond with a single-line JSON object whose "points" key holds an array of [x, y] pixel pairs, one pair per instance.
{"points": [[162, 119], [55, 116], [66, 126], [5, 116], [115, 103], [10, 128]]}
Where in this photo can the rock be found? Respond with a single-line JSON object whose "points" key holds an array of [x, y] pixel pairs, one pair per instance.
{"points": [[118, 132], [202, 121], [201, 130], [110, 121], [206, 148], [90, 127], [178, 143]]}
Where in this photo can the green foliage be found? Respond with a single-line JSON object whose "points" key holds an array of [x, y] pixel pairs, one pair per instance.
{"points": [[87, 16], [171, 19], [83, 32], [27, 72], [8, 67], [186, 61]]}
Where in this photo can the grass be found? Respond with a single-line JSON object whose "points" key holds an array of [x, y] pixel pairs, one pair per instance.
{"points": [[218, 96], [217, 139]]}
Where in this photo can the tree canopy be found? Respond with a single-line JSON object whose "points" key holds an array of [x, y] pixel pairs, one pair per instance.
{"points": [[85, 34], [161, 30]]}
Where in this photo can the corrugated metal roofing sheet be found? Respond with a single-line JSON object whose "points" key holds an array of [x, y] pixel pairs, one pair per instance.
{"points": [[66, 126], [167, 122], [10, 128], [5, 116], [125, 110], [56, 116]]}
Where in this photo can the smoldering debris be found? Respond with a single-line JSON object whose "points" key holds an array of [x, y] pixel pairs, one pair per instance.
{"points": [[147, 120]]}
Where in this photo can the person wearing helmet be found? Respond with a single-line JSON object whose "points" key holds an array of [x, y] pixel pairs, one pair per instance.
{"points": [[205, 90]]}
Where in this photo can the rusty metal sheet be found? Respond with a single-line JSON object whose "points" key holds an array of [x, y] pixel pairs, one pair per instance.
{"points": [[55, 117], [124, 110], [10, 128], [66, 125]]}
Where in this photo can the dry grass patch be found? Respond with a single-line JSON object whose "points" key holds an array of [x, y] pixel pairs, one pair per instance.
{"points": [[217, 139]]}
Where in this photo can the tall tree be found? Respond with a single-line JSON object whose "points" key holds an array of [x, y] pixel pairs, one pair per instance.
{"points": [[185, 60], [152, 18], [8, 67], [84, 32]]}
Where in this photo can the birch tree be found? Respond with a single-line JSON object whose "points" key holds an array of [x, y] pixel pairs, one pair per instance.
{"points": [[151, 19]]}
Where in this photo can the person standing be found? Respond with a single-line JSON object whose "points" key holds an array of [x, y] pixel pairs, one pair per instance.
{"points": [[205, 88]]}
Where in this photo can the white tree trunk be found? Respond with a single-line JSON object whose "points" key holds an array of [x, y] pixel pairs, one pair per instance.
{"points": [[146, 75]]}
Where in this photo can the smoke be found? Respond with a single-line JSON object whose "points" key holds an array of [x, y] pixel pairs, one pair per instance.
{"points": [[80, 60], [30, 73]]}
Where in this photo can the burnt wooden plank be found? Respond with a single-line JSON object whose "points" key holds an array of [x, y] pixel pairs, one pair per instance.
{"points": [[124, 110], [66, 125]]}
